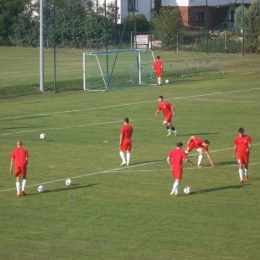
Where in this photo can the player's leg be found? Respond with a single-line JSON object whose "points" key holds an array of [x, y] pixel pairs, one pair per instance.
{"points": [[128, 155], [240, 169], [122, 155], [177, 175], [24, 181], [246, 162], [200, 157], [17, 176], [172, 127]]}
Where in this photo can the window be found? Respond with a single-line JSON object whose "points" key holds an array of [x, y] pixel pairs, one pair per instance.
{"points": [[134, 6], [199, 17]]}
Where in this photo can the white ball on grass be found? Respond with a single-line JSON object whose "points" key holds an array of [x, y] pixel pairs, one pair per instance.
{"points": [[68, 182], [41, 188], [187, 190], [42, 136]]}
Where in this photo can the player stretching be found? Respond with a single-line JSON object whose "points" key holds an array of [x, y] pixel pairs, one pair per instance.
{"points": [[19, 157], [125, 142], [175, 160], [243, 144], [168, 111], [199, 145], [158, 68]]}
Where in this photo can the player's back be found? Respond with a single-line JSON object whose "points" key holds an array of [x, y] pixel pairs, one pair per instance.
{"points": [[127, 131]]}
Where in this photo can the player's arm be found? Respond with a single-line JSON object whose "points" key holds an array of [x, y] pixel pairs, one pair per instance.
{"points": [[188, 160], [173, 110], [157, 112], [209, 157], [249, 147], [11, 165], [169, 161], [235, 152], [120, 139]]}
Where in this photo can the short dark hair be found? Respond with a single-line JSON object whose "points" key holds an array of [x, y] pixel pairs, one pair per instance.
{"points": [[158, 57], [207, 142], [161, 97], [179, 144], [126, 120], [241, 130]]}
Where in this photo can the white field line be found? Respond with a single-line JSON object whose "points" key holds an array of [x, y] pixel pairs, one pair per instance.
{"points": [[223, 101], [118, 170], [129, 104], [122, 105], [59, 128]]}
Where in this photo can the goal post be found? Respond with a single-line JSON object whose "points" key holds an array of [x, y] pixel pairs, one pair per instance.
{"points": [[118, 69]]}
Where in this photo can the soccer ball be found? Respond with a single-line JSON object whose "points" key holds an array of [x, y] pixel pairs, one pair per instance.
{"points": [[167, 81], [68, 182], [187, 190], [41, 188], [42, 136]]}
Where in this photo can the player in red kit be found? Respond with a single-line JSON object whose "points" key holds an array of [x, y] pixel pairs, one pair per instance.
{"points": [[19, 157], [175, 160], [168, 111], [125, 143], [243, 144], [200, 145], [158, 68]]}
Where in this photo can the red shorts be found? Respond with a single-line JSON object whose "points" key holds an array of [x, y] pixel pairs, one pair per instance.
{"points": [[126, 145], [168, 118], [190, 147], [243, 159], [158, 74], [20, 171], [177, 174]]}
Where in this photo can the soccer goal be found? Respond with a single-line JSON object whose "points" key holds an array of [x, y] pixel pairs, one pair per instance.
{"points": [[119, 69]]}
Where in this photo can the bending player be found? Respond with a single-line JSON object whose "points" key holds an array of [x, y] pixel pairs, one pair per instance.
{"points": [[201, 146]]}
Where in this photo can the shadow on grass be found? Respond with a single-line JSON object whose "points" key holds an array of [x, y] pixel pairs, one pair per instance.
{"points": [[234, 162], [67, 188], [22, 127], [238, 186], [199, 134]]}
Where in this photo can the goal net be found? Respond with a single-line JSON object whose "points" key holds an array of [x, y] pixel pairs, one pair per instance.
{"points": [[119, 69]]}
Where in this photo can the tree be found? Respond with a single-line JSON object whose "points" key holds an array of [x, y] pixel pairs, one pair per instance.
{"points": [[9, 11], [252, 32], [167, 24], [238, 18], [140, 20]]}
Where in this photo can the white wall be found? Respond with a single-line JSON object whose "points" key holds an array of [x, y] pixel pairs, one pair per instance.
{"points": [[143, 8], [202, 2]]}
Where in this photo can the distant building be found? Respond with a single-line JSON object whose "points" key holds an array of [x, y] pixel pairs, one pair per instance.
{"points": [[193, 12]]}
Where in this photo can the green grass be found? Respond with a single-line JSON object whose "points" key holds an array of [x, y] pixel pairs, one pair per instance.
{"points": [[127, 213]]}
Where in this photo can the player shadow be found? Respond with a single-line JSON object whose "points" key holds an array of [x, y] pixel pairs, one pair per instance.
{"points": [[199, 134], [239, 186], [67, 188], [21, 127], [144, 162], [234, 162]]}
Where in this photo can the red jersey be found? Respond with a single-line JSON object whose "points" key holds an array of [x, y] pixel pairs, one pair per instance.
{"points": [[158, 66], [126, 131], [197, 142], [177, 156], [20, 156], [165, 107], [242, 144]]}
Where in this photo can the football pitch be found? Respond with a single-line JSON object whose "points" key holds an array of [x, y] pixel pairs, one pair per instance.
{"points": [[114, 212]]}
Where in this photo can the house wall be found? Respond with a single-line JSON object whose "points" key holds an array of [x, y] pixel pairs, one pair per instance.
{"points": [[202, 2]]}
